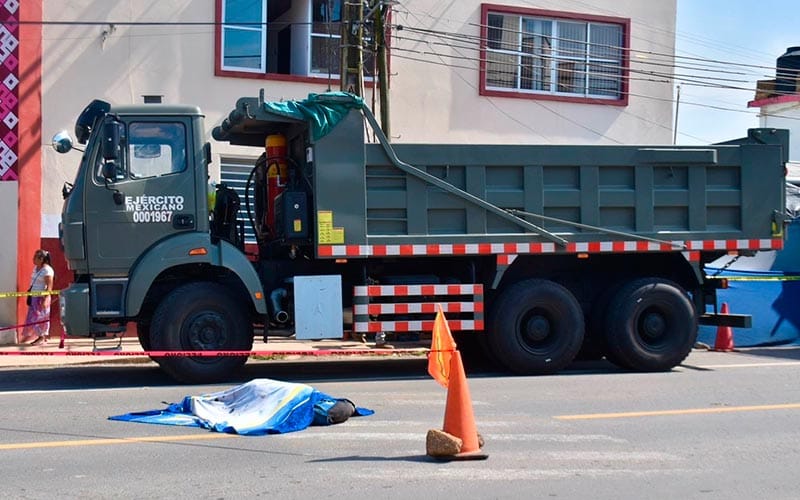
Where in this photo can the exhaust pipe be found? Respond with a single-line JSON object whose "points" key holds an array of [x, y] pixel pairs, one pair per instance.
{"points": [[278, 313]]}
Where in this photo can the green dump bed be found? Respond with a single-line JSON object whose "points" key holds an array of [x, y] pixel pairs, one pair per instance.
{"points": [[413, 199]]}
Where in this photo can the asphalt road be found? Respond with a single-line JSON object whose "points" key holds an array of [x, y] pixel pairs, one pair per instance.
{"points": [[721, 426]]}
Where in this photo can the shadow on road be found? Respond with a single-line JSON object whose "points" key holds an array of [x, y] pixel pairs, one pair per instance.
{"points": [[108, 375], [789, 353]]}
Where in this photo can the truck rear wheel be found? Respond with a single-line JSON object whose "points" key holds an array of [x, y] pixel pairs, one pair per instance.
{"points": [[201, 317], [651, 325], [536, 327]]}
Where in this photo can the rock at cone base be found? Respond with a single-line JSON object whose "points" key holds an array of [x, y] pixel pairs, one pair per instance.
{"points": [[441, 444]]}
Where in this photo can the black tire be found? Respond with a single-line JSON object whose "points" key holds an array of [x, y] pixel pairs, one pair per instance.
{"points": [[594, 342], [536, 327], [201, 317], [474, 351], [143, 332], [651, 326]]}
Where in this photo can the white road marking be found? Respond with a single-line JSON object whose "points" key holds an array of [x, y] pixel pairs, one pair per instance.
{"points": [[420, 437], [749, 365]]}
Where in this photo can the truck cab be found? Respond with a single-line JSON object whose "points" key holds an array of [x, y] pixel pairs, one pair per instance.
{"points": [[136, 224]]}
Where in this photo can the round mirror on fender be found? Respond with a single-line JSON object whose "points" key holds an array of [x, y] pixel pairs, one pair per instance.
{"points": [[62, 142]]}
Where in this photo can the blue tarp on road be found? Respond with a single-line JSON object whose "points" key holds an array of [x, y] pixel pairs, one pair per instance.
{"points": [[261, 406]]}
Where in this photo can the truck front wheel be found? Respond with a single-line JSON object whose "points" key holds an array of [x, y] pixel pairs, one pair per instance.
{"points": [[651, 325], [200, 317], [536, 327]]}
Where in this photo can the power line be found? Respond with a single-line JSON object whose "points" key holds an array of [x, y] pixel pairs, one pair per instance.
{"points": [[718, 108], [608, 76], [696, 79], [598, 65], [481, 40], [395, 26], [474, 42]]}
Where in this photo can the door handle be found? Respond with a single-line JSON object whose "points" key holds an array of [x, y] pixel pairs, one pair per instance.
{"points": [[183, 221]]}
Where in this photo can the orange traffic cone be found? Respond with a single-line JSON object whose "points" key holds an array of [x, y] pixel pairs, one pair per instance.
{"points": [[724, 341], [459, 420]]}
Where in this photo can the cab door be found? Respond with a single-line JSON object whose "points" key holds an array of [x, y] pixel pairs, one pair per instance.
{"points": [[144, 196]]}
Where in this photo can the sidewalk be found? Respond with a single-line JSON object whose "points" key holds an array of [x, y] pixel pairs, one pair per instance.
{"points": [[127, 350]]}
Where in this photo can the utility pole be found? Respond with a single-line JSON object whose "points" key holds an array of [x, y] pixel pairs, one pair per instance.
{"points": [[380, 12], [677, 108], [352, 64]]}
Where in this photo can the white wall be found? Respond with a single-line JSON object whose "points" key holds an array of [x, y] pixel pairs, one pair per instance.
{"points": [[430, 102], [9, 196], [786, 115]]}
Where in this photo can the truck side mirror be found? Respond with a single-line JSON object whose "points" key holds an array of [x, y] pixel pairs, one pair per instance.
{"points": [[62, 142], [109, 170], [207, 153], [111, 149], [112, 131]]}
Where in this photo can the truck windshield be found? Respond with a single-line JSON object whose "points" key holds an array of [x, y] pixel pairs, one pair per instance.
{"points": [[153, 149]]}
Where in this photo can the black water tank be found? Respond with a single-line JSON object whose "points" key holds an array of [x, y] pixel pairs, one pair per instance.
{"points": [[788, 72]]}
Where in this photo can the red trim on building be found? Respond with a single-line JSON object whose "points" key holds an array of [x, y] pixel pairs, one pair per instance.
{"points": [[29, 145], [61, 281], [781, 99], [522, 11]]}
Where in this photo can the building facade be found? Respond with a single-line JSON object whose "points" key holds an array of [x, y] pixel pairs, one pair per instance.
{"points": [[548, 71]]}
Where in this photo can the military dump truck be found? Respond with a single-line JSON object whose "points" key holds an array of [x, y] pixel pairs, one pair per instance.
{"points": [[539, 251]]}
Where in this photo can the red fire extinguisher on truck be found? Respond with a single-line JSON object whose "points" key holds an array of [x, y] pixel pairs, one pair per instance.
{"points": [[277, 173]]}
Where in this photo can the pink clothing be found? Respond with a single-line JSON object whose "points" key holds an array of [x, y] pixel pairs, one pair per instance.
{"points": [[37, 321]]}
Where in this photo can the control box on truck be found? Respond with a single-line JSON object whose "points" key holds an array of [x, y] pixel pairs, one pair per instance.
{"points": [[539, 251]]}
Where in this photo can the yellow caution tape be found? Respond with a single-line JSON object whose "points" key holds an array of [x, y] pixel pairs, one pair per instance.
{"points": [[755, 278], [41, 293]]}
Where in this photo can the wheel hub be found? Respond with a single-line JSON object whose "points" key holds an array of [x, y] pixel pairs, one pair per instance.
{"points": [[207, 331], [537, 328], [653, 325]]}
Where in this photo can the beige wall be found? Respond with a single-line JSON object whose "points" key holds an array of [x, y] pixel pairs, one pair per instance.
{"points": [[454, 112], [8, 256], [430, 102]]}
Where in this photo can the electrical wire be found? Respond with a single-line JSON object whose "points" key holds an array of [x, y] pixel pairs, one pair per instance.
{"points": [[695, 79], [477, 43], [633, 94]]}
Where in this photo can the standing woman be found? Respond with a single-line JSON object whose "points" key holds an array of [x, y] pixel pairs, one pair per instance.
{"points": [[37, 322]]}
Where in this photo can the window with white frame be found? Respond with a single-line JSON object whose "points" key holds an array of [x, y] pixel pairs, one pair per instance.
{"points": [[298, 38], [244, 35], [539, 54]]}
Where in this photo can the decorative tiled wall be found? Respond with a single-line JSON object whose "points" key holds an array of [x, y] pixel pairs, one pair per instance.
{"points": [[9, 96]]}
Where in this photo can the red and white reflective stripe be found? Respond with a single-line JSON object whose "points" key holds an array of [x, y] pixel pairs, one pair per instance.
{"points": [[692, 256], [766, 244], [417, 308], [414, 326], [544, 248], [410, 290], [505, 259]]}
